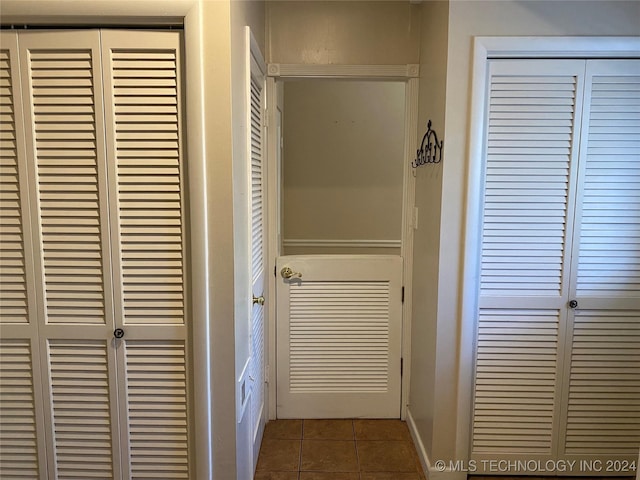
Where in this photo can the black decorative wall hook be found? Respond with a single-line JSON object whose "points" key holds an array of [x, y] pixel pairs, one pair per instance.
{"points": [[430, 150]]}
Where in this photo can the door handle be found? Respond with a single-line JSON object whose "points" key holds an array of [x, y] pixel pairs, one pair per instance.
{"points": [[287, 273], [259, 300]]}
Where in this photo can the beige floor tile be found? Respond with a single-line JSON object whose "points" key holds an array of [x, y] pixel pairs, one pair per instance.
{"points": [[329, 456], [327, 430], [381, 430], [329, 476], [279, 456], [386, 456], [276, 476], [389, 476], [283, 430]]}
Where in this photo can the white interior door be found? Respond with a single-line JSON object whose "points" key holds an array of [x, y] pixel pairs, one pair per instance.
{"points": [[256, 155], [339, 336], [602, 396]]}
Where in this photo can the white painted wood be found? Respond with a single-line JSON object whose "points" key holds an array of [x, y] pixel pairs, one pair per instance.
{"points": [[549, 381], [529, 174], [352, 243], [141, 74], [342, 71], [275, 142], [257, 146], [110, 230], [602, 413], [339, 336], [62, 102], [486, 48]]}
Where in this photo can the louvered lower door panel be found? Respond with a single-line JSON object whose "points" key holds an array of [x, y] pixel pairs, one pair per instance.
{"points": [[339, 337], [18, 438], [156, 384], [142, 106], [604, 385], [516, 383], [81, 402]]}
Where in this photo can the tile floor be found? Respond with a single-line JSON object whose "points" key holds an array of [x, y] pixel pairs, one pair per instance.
{"points": [[338, 450]]}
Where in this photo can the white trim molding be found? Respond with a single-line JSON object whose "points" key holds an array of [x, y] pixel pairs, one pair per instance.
{"points": [[328, 243], [486, 48], [343, 71], [433, 471]]}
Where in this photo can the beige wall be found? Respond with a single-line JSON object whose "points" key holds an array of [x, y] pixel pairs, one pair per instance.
{"points": [[342, 161], [466, 20], [428, 199], [342, 32]]}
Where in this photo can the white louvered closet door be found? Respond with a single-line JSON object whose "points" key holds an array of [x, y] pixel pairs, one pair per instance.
{"points": [[603, 353], [22, 446], [62, 98], [146, 178], [533, 118]]}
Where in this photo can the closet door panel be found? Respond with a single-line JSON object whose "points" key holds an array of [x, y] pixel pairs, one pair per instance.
{"points": [[532, 118], [146, 169], [67, 176], [22, 446], [603, 412]]}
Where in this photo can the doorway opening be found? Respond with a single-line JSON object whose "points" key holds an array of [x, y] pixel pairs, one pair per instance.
{"points": [[339, 157]]}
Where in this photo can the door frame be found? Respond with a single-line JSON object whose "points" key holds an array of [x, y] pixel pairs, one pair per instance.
{"points": [[408, 74], [484, 49]]}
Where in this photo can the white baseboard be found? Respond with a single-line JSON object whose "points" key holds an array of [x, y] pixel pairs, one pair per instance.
{"points": [[430, 471]]}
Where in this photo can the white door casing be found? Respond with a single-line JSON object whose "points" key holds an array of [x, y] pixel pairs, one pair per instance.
{"points": [[339, 336]]}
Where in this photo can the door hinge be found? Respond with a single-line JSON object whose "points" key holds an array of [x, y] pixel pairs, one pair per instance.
{"points": [[266, 373], [401, 365], [275, 270], [402, 294]]}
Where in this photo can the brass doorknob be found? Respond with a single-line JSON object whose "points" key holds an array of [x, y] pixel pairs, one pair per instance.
{"points": [[259, 300], [287, 273]]}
